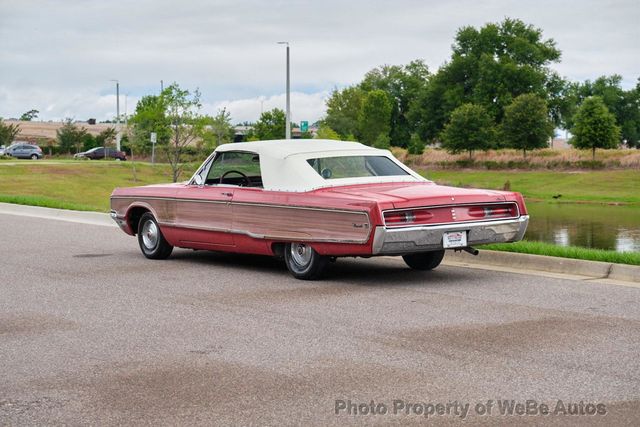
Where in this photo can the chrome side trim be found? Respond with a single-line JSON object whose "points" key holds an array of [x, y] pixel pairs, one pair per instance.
{"points": [[263, 236], [176, 199], [395, 241]]}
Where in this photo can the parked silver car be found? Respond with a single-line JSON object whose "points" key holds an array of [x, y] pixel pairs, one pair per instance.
{"points": [[22, 150]]}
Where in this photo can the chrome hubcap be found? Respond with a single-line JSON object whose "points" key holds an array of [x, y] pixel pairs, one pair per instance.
{"points": [[150, 234], [301, 253]]}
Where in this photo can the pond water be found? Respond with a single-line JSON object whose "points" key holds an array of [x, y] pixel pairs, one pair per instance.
{"points": [[588, 225]]}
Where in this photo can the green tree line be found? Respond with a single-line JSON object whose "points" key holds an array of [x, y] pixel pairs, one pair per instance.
{"points": [[496, 90]]}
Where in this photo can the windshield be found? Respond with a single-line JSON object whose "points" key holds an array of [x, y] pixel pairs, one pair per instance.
{"points": [[355, 167]]}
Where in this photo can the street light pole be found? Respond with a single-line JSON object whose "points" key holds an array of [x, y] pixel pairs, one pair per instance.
{"points": [[288, 112], [118, 136]]}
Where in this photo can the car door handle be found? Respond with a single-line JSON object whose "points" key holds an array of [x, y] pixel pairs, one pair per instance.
{"points": [[228, 194]]}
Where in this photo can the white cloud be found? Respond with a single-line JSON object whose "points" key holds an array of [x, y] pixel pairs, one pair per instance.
{"points": [[58, 105], [304, 106], [58, 57]]}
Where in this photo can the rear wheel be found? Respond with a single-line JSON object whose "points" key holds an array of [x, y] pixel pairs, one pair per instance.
{"points": [[424, 260], [303, 261], [152, 243]]}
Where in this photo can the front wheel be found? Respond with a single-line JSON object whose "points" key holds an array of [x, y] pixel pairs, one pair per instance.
{"points": [[152, 243], [34, 157], [424, 260], [303, 261]]}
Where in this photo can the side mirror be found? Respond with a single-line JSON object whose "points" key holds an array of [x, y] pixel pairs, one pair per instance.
{"points": [[198, 180]]}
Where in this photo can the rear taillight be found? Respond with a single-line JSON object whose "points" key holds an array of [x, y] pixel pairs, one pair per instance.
{"points": [[418, 216], [446, 214], [493, 211], [395, 218]]}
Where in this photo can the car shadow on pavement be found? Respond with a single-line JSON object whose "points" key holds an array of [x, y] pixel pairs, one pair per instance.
{"points": [[359, 271], [243, 261], [383, 272]]}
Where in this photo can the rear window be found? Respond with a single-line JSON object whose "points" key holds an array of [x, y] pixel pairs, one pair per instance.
{"points": [[355, 167]]}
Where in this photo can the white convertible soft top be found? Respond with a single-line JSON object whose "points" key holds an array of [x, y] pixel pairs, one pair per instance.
{"points": [[284, 167]]}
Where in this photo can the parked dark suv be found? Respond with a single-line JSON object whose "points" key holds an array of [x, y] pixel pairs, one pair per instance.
{"points": [[98, 153], [21, 150]]}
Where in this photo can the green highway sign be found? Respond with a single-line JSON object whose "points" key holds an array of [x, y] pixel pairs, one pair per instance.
{"points": [[304, 126]]}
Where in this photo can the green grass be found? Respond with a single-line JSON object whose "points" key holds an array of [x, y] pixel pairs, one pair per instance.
{"points": [[44, 202], [614, 186], [548, 249], [76, 185]]}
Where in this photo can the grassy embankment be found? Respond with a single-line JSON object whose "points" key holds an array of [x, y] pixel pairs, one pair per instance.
{"points": [[79, 185], [548, 249], [610, 186]]}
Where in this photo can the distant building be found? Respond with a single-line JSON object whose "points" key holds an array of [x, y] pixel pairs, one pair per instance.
{"points": [[560, 144]]}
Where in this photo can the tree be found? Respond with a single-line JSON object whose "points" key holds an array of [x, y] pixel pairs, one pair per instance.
{"points": [[150, 116], [106, 137], [8, 132], [374, 119], [218, 129], [70, 136], [29, 115], [87, 142], [271, 125], [416, 145], [624, 105], [559, 100], [488, 67], [182, 110], [325, 132], [594, 126], [470, 128], [401, 84], [343, 110], [526, 124]]}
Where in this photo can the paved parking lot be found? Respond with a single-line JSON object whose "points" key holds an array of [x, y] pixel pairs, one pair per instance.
{"points": [[93, 333]]}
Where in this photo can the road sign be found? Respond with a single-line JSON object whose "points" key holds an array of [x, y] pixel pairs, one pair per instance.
{"points": [[154, 139], [304, 126]]}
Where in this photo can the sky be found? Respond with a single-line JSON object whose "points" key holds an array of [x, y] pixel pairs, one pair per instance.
{"points": [[60, 56]]}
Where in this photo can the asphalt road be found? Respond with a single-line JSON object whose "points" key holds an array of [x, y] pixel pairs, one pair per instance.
{"points": [[93, 333]]}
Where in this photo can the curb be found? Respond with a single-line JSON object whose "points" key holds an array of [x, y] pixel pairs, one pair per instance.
{"points": [[82, 217], [593, 269]]}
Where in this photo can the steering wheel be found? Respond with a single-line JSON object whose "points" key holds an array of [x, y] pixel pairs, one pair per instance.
{"points": [[246, 178]]}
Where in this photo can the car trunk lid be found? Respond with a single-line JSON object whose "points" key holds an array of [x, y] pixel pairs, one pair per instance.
{"points": [[407, 195]]}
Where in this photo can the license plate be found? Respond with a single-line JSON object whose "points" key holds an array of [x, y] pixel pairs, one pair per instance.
{"points": [[454, 239]]}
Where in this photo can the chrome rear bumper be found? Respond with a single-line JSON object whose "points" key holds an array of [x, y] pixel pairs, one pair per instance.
{"points": [[402, 240]]}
